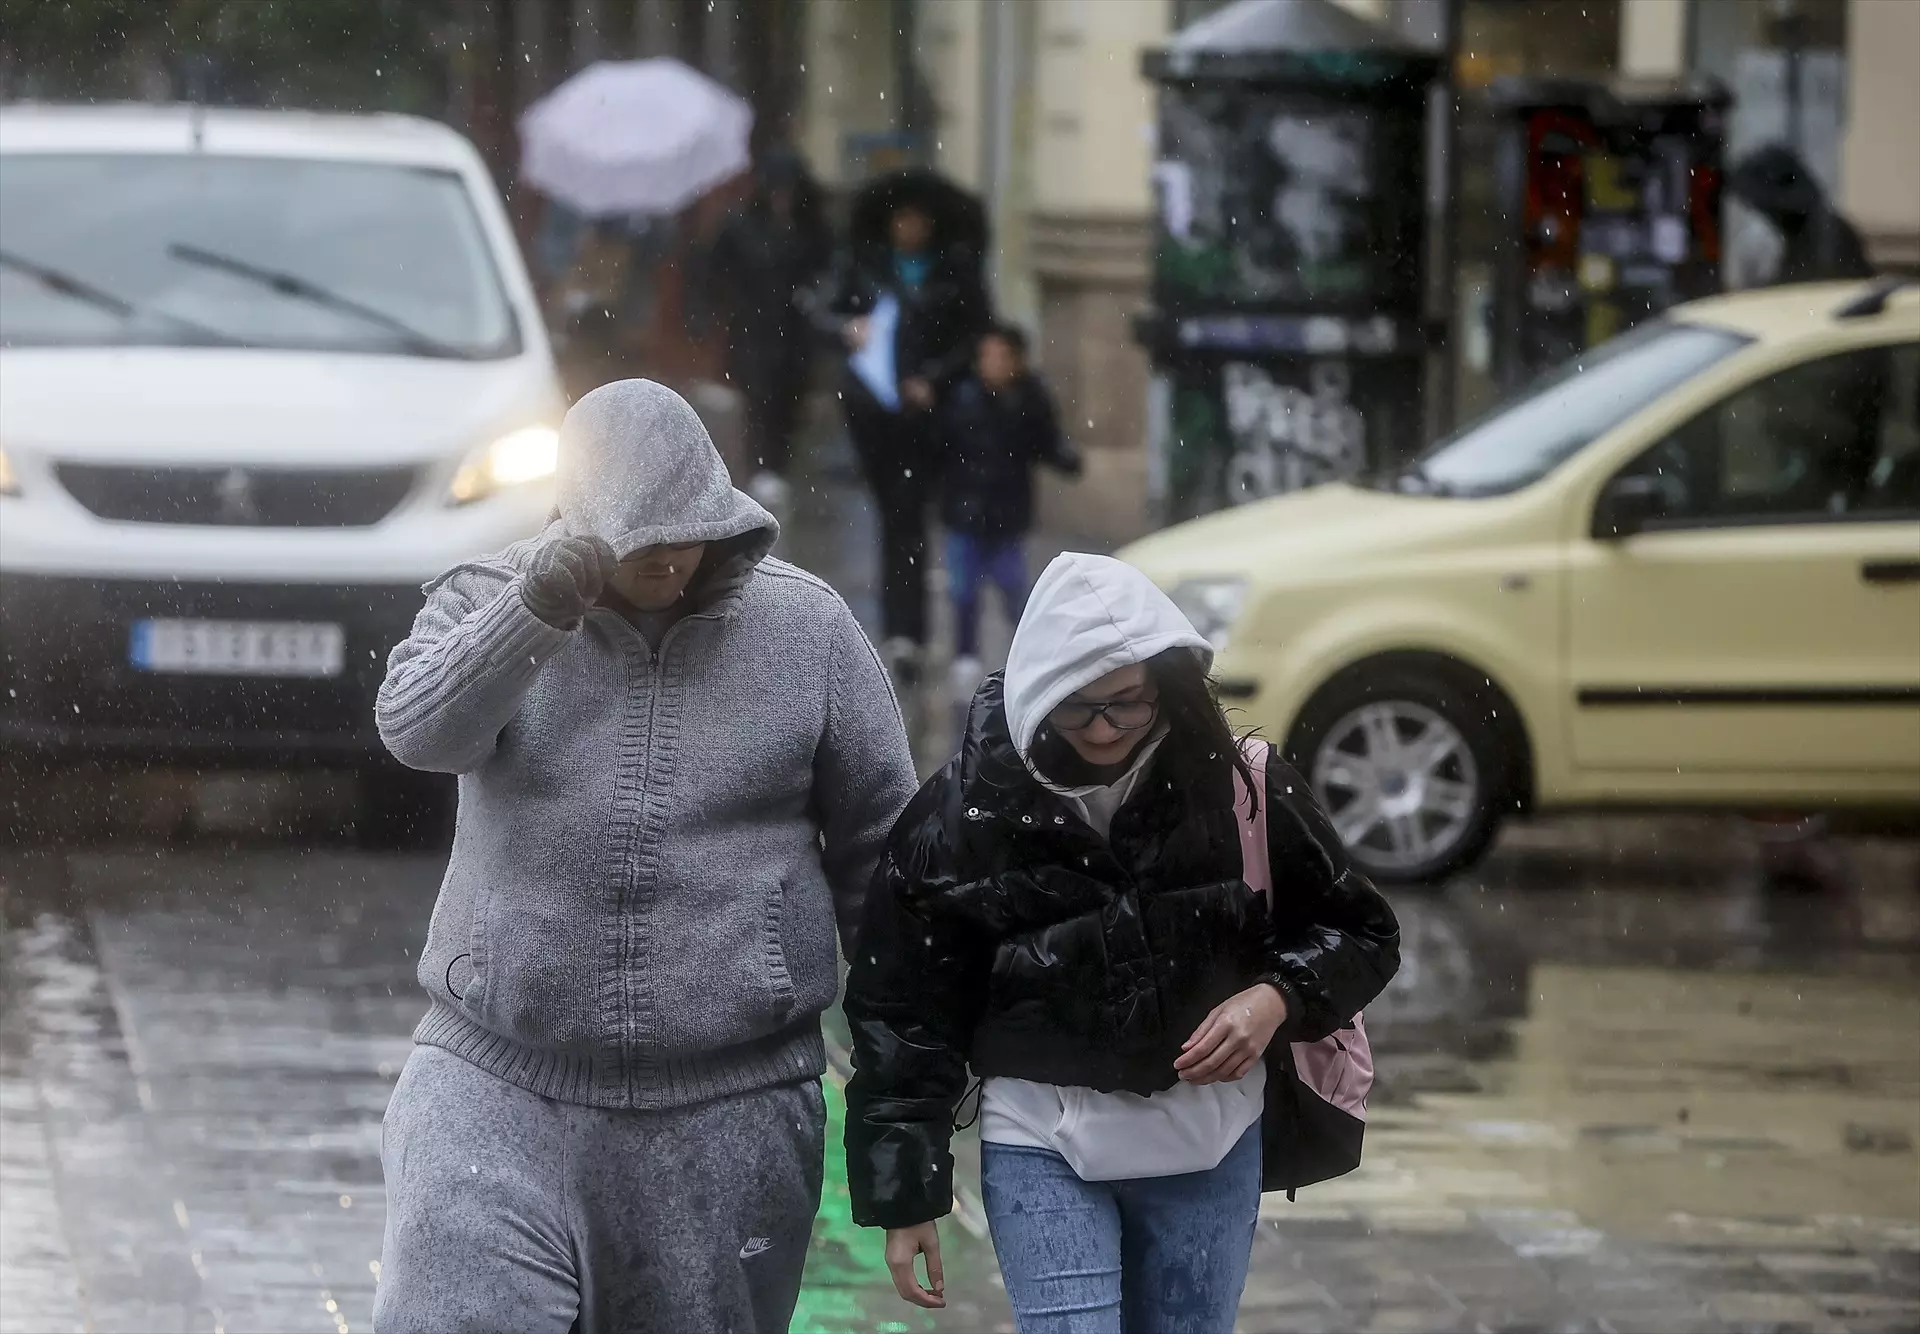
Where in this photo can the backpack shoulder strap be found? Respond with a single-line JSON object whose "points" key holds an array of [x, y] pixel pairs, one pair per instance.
{"points": [[1255, 857]]}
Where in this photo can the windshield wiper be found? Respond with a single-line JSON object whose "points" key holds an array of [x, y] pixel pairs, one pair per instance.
{"points": [[78, 289], [305, 289]]}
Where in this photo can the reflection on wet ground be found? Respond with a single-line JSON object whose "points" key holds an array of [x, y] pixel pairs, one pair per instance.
{"points": [[1623, 1086]]}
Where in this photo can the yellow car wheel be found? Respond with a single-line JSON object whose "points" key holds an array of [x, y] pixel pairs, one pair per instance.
{"points": [[1408, 768]]}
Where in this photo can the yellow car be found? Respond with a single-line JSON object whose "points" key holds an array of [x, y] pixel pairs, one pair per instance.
{"points": [[1682, 570]]}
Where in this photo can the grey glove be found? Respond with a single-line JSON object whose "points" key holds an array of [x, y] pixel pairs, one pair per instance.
{"points": [[564, 577]]}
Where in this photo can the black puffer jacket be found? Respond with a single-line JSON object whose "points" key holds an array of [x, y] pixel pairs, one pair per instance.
{"points": [[1004, 933]]}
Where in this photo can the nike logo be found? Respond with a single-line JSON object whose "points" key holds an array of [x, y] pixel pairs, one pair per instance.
{"points": [[756, 1246]]}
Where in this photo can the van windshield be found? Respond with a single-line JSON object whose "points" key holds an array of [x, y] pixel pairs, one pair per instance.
{"points": [[1563, 411], [203, 250]]}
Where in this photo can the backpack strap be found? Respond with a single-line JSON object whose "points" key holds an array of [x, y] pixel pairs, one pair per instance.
{"points": [[1256, 860]]}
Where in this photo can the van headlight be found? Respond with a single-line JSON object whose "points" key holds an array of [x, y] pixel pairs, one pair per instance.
{"points": [[1213, 605], [527, 455], [9, 479]]}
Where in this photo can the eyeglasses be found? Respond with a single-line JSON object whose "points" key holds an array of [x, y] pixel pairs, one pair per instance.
{"points": [[1123, 715]]}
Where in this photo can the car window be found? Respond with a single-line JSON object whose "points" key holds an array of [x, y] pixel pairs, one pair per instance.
{"points": [[165, 249], [1548, 422], [1894, 485], [1830, 438]]}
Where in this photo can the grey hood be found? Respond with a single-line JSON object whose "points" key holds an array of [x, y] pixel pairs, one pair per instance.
{"points": [[638, 469]]}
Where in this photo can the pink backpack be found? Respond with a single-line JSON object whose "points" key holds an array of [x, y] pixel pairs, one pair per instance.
{"points": [[1328, 1080]]}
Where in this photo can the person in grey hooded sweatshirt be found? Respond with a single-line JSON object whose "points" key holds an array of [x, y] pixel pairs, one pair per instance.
{"points": [[679, 759]]}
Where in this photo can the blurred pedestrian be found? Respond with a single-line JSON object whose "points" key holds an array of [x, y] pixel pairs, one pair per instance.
{"points": [[678, 760], [997, 426], [1064, 908], [908, 303], [606, 299], [1817, 243], [763, 265]]}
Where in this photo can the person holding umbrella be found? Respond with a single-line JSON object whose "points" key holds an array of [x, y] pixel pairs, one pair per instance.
{"points": [[620, 151], [909, 303]]}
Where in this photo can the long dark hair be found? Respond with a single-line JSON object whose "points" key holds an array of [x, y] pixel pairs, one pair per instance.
{"points": [[1190, 708]]}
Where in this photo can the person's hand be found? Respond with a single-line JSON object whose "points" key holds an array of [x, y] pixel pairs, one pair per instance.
{"points": [[905, 1245], [917, 391], [564, 577], [854, 332], [1233, 1037]]}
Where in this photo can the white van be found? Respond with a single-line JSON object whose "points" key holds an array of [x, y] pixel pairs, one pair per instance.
{"points": [[261, 374]]}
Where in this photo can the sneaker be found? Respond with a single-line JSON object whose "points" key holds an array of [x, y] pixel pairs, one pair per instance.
{"points": [[902, 657], [771, 492], [968, 673]]}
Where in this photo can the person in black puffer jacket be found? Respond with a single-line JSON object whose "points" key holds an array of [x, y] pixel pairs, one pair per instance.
{"points": [[1062, 908]]}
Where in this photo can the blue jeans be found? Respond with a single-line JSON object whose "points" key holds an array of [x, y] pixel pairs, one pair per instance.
{"points": [[971, 562], [1155, 1255]]}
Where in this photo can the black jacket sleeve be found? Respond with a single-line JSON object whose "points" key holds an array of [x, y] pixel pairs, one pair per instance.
{"points": [[912, 996], [1048, 443], [1335, 942]]}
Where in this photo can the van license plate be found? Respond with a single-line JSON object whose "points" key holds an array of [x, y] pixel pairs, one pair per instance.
{"points": [[238, 648]]}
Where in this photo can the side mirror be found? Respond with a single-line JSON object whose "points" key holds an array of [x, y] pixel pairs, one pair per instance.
{"points": [[1627, 506]]}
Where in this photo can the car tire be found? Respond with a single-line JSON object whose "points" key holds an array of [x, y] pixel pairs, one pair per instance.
{"points": [[1410, 767], [401, 810]]}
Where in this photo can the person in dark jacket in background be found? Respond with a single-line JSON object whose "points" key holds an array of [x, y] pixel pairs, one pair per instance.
{"points": [[1063, 908], [909, 302], [764, 263], [997, 426], [1818, 244]]}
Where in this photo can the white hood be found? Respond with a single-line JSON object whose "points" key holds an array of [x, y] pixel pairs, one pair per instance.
{"points": [[1088, 615]]}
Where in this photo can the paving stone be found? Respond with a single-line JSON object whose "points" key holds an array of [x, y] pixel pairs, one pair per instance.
{"points": [[1771, 1309], [196, 1048]]}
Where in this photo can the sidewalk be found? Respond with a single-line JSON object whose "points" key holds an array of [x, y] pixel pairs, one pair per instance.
{"points": [[848, 1289]]}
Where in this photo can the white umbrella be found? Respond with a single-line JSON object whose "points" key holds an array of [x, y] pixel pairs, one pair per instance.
{"points": [[634, 136]]}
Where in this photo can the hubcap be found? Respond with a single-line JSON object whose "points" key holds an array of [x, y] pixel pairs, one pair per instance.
{"points": [[1400, 783]]}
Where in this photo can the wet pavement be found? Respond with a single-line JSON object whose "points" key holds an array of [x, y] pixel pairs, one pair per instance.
{"points": [[1624, 1085]]}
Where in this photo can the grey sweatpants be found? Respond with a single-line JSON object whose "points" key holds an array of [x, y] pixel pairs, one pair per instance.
{"points": [[507, 1211]]}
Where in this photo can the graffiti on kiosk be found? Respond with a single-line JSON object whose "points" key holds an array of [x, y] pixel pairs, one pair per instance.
{"points": [[1285, 438]]}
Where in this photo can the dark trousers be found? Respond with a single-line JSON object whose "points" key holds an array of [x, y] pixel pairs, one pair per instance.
{"points": [[896, 457], [772, 382], [973, 562]]}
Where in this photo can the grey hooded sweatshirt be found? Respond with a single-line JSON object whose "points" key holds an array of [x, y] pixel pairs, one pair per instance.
{"points": [[653, 845]]}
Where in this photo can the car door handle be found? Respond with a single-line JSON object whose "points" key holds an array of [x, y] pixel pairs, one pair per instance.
{"points": [[1891, 571]]}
